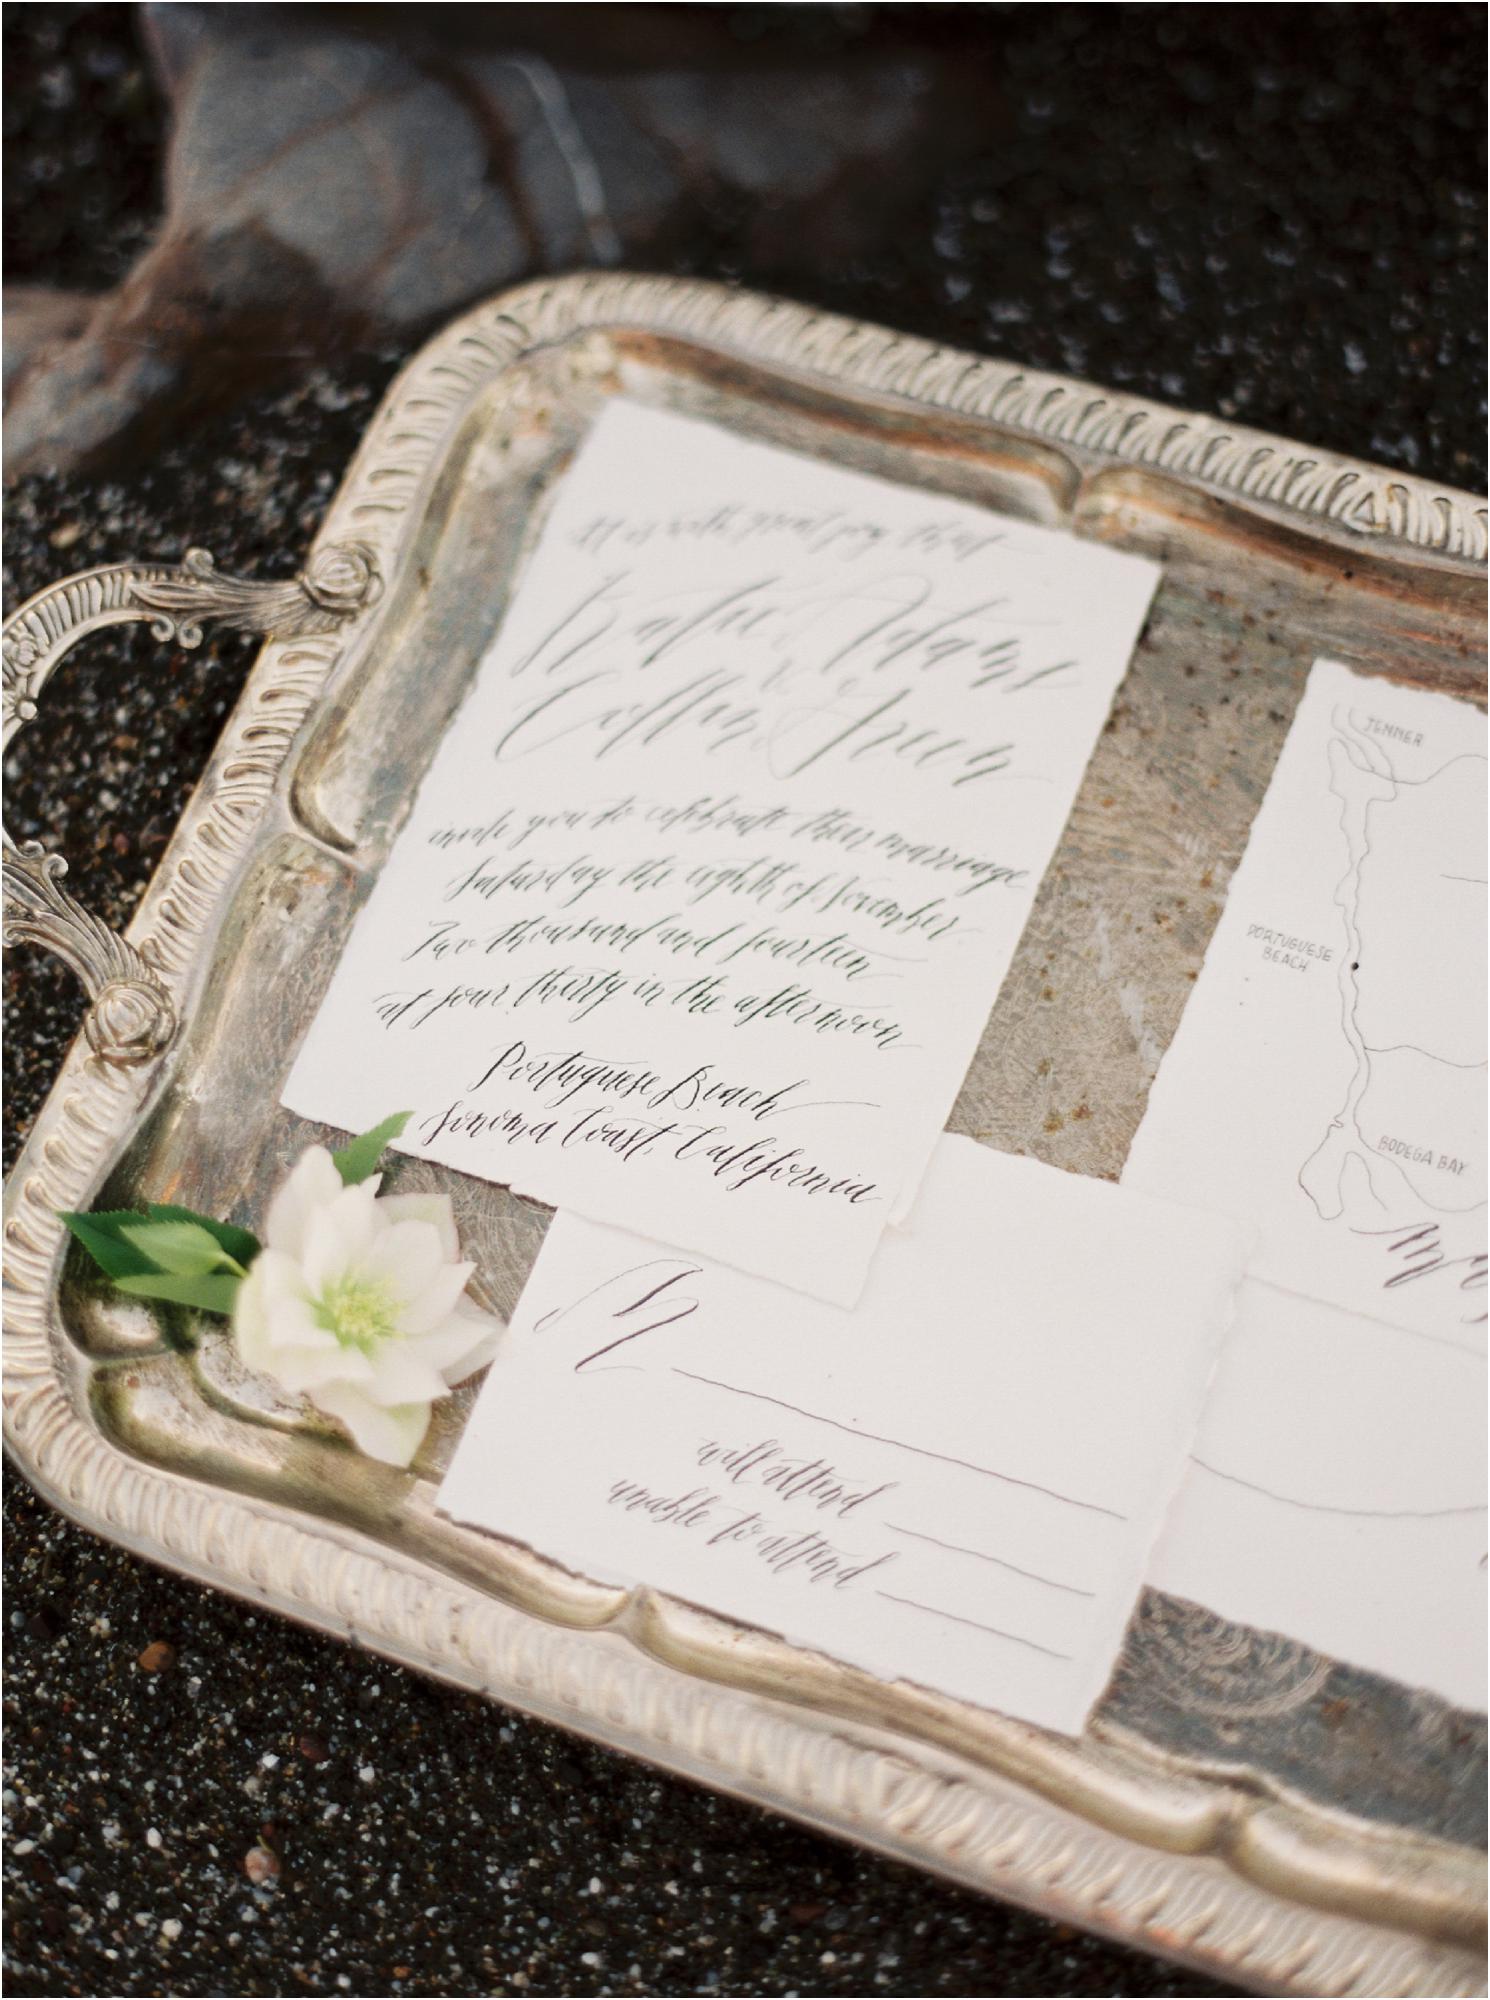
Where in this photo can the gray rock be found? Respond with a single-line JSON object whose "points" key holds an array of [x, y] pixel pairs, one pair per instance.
{"points": [[332, 185]]}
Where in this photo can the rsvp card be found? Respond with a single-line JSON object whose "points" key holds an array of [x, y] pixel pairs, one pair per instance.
{"points": [[706, 897], [956, 1484]]}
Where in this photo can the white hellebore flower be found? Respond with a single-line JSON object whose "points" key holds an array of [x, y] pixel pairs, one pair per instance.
{"points": [[359, 1305]]}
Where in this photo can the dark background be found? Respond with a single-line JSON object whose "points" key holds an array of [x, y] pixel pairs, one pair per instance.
{"points": [[1273, 213]]}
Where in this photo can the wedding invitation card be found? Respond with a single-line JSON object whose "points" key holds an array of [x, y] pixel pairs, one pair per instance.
{"points": [[703, 904], [956, 1483]]}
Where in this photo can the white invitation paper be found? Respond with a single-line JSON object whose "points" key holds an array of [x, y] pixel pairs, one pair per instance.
{"points": [[706, 897], [1327, 1085], [1327, 1081], [957, 1483], [1338, 1493]]}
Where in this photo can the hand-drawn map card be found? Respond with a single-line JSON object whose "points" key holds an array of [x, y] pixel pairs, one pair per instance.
{"points": [[1327, 1084], [1328, 1078], [957, 1483], [706, 897], [1337, 1493]]}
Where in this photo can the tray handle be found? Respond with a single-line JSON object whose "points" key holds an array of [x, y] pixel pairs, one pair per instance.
{"points": [[133, 1017]]}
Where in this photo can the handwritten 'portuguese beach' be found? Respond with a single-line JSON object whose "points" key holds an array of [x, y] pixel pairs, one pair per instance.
{"points": [[706, 897]]}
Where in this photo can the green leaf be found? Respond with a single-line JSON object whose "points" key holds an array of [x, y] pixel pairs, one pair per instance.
{"points": [[360, 1157], [185, 1249], [241, 1244], [109, 1237], [102, 1236], [211, 1292]]}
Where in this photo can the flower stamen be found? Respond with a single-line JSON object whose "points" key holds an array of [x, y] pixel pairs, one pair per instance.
{"points": [[359, 1312]]}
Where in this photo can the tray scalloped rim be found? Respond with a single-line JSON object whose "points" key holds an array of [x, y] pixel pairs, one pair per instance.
{"points": [[989, 1833]]}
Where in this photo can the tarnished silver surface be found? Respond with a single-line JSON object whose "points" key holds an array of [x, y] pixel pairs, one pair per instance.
{"points": [[132, 1018], [1237, 1802]]}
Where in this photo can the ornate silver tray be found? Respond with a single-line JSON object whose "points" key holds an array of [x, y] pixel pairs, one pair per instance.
{"points": [[1238, 1802]]}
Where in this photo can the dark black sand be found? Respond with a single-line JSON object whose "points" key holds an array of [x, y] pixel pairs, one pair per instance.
{"points": [[1270, 212]]}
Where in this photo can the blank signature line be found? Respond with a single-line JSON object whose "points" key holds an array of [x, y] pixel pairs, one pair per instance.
{"points": [[957, 1619], [921, 1451], [983, 1556]]}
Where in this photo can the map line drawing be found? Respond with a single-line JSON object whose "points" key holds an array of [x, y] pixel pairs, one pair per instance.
{"points": [[1348, 1175]]}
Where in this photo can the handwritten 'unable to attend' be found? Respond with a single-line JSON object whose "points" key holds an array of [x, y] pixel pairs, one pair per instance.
{"points": [[955, 1483]]}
